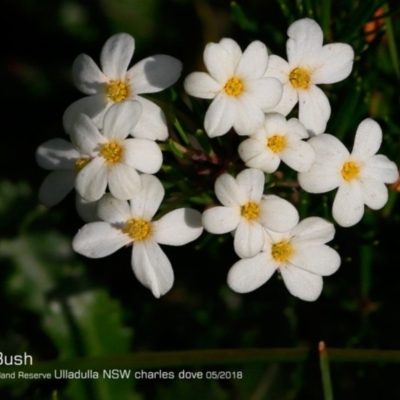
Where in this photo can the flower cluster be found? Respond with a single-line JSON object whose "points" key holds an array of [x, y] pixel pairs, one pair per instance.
{"points": [[113, 154]]}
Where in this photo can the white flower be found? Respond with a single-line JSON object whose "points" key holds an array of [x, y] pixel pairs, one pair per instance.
{"points": [[360, 176], [235, 81], [278, 140], [246, 212], [300, 256], [309, 64], [114, 160], [132, 224], [116, 83]]}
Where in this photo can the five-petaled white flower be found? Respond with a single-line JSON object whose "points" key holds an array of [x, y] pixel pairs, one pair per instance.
{"points": [[360, 176], [309, 64], [125, 224], [300, 255], [116, 83], [114, 159], [235, 81], [278, 140], [246, 212]]}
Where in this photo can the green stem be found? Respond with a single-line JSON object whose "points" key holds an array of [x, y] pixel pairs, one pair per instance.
{"points": [[325, 372]]}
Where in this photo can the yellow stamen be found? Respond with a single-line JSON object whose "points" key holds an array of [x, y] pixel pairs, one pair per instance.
{"points": [[137, 229], [117, 91], [80, 163], [233, 87], [276, 143], [282, 251], [250, 211], [300, 78], [350, 170], [111, 151]]}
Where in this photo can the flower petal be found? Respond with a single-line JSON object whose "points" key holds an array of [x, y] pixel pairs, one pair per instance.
{"points": [[228, 191], [178, 227], [313, 230], [123, 181], [152, 267], [314, 109], [278, 68], [220, 115], [57, 154], [302, 284], [116, 55], [266, 92], [380, 168], [113, 211], [288, 101], [143, 155], [251, 183], [93, 106], [154, 74], [348, 206], [91, 181], [299, 156], [249, 238], [320, 179], [249, 274], [147, 201], [120, 119], [249, 117], [220, 62], [367, 141], [233, 49], [99, 239], [374, 193], [56, 186], [220, 220], [254, 61], [202, 85], [152, 124], [87, 75], [87, 210], [85, 136]]}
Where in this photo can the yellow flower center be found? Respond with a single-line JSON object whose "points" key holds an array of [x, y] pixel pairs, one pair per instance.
{"points": [[300, 78], [137, 229], [282, 251], [233, 87], [111, 151], [276, 143], [117, 91], [80, 163], [250, 211], [350, 170]]}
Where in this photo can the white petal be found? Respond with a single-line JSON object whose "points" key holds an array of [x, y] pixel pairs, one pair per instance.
{"points": [[233, 49], [123, 181], [120, 119], [278, 214], [266, 160], [320, 179], [152, 123], [333, 63], [99, 239], [288, 101], [278, 68], [251, 183], [318, 259], [380, 168], [87, 210], [113, 211], [249, 274], [85, 136], [348, 206], [300, 156], [145, 204], [305, 39], [143, 155], [302, 284], [249, 238], [295, 129], [314, 109], [87, 76], [178, 227], [202, 85], [91, 182], [116, 55], [220, 115], [228, 192], [249, 117], [152, 267], [374, 193], [93, 106], [367, 141], [220, 62], [220, 220], [266, 92], [56, 186], [254, 61], [154, 74], [313, 230], [56, 154]]}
